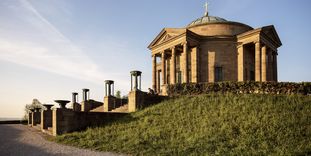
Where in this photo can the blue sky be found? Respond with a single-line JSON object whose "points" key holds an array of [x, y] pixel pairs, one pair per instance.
{"points": [[50, 48]]}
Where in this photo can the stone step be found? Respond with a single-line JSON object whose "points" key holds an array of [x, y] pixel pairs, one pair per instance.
{"points": [[98, 109], [123, 108]]}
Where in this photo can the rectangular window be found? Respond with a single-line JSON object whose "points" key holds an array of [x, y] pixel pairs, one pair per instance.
{"points": [[218, 74]]}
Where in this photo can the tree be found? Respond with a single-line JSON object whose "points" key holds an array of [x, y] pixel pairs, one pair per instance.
{"points": [[118, 94], [35, 104]]}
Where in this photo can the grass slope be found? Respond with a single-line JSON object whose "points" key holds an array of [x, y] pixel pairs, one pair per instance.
{"points": [[208, 125]]}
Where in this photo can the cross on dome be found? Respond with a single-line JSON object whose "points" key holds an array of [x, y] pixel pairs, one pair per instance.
{"points": [[206, 8]]}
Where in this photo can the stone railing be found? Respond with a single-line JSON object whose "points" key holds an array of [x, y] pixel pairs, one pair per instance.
{"points": [[66, 120]]}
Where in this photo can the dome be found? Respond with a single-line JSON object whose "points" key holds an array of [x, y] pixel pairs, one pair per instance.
{"points": [[207, 19]]}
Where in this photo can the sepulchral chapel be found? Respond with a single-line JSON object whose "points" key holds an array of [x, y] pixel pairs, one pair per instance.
{"points": [[213, 49]]}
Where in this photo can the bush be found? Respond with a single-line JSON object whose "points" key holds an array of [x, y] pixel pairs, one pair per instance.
{"points": [[287, 88]]}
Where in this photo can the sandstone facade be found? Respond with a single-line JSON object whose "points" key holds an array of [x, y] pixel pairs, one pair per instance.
{"points": [[212, 49]]}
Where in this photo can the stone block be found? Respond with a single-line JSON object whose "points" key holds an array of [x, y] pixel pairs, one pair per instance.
{"points": [[136, 100]]}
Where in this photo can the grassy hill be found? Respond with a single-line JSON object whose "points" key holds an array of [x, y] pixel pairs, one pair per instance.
{"points": [[209, 125]]}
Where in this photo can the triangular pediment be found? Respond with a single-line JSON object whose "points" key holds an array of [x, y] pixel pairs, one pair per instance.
{"points": [[272, 34], [165, 35]]}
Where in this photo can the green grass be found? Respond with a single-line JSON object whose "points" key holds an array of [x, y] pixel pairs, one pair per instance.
{"points": [[208, 125]]}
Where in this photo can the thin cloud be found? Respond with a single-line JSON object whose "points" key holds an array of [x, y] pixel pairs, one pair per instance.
{"points": [[30, 39]]}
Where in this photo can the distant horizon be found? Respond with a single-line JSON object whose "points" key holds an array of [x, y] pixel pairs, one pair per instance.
{"points": [[6, 119]]}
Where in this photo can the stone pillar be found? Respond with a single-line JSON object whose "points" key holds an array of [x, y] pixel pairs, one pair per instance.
{"points": [[269, 68], [194, 63], [109, 102], [109, 99], [275, 66], [173, 66], [241, 74], [74, 97], [257, 61], [136, 99], [163, 68], [85, 104], [85, 95], [75, 105], [137, 81], [110, 85], [30, 117], [264, 63], [154, 72], [185, 64]]}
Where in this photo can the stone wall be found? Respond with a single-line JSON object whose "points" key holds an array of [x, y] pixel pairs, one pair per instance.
{"points": [[66, 120], [212, 54], [46, 119]]}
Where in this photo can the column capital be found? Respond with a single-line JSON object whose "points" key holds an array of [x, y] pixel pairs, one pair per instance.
{"points": [[275, 52], [172, 48], [184, 43], [239, 44], [163, 54], [256, 42]]}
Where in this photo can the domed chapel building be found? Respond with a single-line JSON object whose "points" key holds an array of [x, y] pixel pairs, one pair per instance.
{"points": [[213, 49]]}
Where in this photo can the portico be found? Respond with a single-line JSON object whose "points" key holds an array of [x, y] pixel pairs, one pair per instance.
{"points": [[172, 60], [257, 55]]}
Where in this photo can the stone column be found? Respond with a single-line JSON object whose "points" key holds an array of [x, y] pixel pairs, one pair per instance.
{"points": [[173, 66], [84, 94], [74, 97], [275, 66], [264, 63], [163, 68], [269, 68], [241, 76], [185, 64], [154, 72], [257, 62]]}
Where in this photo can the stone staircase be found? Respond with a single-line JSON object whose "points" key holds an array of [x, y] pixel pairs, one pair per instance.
{"points": [[123, 108], [98, 109]]}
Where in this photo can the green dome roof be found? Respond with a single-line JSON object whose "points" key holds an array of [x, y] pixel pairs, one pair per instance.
{"points": [[207, 19]]}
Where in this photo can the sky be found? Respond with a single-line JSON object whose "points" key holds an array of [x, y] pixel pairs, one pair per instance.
{"points": [[51, 48]]}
